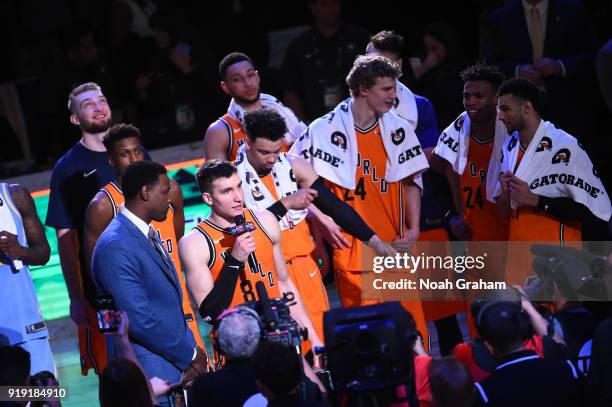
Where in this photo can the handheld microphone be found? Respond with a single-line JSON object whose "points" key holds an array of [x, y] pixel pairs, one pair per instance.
{"points": [[241, 226]]}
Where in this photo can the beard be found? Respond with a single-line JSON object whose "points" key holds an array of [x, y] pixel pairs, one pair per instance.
{"points": [[94, 128], [263, 171], [247, 102]]}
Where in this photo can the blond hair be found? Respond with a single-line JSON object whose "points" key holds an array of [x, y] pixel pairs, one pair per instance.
{"points": [[82, 88], [367, 68]]}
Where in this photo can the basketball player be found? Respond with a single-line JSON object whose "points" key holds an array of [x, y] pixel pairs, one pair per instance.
{"points": [[77, 176], [22, 244], [240, 80], [436, 199], [474, 218], [548, 186], [371, 159], [271, 180], [222, 267], [123, 147]]}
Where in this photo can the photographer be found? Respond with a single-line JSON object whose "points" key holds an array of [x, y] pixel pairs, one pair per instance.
{"points": [[569, 277], [521, 377], [238, 334], [278, 373], [476, 356], [237, 337]]}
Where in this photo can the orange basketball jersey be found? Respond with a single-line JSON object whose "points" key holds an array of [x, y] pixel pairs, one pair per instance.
{"points": [[480, 214], [530, 225], [165, 232], [295, 241], [237, 136], [260, 263], [379, 203]]}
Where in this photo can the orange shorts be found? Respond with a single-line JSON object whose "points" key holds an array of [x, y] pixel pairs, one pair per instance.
{"points": [[92, 347], [439, 308], [306, 276]]}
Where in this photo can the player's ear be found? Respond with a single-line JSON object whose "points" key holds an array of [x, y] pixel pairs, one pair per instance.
{"points": [[207, 198], [400, 64], [363, 90], [75, 120], [224, 87]]}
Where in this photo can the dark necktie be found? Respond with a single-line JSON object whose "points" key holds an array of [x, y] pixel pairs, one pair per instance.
{"points": [[157, 244]]}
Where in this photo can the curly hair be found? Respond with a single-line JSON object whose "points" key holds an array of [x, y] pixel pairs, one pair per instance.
{"points": [[119, 132], [264, 123], [366, 69], [483, 72]]}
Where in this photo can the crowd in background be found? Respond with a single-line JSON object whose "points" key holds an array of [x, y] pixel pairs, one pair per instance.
{"points": [[157, 61]]}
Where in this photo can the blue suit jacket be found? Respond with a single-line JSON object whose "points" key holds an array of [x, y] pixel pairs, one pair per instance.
{"points": [[126, 266]]}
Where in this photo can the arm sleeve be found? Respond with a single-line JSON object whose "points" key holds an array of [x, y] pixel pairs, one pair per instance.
{"points": [[220, 297], [278, 210], [568, 209], [341, 213]]}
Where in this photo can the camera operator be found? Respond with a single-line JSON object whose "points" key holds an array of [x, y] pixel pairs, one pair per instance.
{"points": [[569, 277], [238, 333], [476, 356], [237, 337], [278, 373], [521, 377]]}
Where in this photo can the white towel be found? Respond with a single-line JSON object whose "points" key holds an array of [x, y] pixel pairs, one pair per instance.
{"points": [[405, 105], [295, 127], [453, 146], [256, 194], [555, 165], [330, 145]]}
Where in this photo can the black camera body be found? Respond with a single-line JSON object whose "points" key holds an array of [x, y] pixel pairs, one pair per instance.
{"points": [[369, 348], [277, 323], [578, 274]]}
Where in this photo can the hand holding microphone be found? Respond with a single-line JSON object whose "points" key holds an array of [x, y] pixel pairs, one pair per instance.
{"points": [[245, 242]]}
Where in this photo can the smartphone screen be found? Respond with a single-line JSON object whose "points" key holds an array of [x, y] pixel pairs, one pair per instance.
{"points": [[105, 310]]}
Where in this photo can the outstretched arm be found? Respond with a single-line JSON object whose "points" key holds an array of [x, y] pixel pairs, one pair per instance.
{"points": [[338, 210]]}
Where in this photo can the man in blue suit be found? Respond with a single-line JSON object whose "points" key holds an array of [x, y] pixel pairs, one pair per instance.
{"points": [[131, 264]]}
